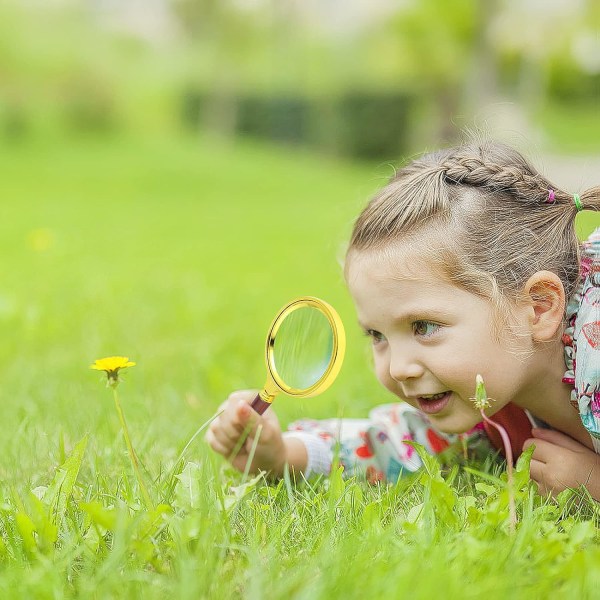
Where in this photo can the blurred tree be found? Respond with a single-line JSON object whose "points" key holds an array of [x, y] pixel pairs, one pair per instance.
{"points": [[222, 40], [59, 68], [552, 50], [447, 55], [456, 54]]}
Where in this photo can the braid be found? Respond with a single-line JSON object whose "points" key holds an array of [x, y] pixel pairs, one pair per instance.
{"points": [[495, 177], [505, 170]]}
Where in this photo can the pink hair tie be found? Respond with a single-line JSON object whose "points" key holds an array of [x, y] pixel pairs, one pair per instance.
{"points": [[551, 197]]}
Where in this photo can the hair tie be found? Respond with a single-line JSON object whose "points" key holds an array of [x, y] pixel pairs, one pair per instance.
{"points": [[551, 197], [577, 202]]}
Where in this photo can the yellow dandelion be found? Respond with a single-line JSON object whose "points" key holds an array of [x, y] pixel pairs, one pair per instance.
{"points": [[111, 366]]}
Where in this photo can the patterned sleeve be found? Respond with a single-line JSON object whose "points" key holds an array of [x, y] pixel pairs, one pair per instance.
{"points": [[582, 341], [373, 448]]}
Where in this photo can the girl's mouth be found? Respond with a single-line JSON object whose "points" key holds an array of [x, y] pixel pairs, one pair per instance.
{"points": [[435, 403]]}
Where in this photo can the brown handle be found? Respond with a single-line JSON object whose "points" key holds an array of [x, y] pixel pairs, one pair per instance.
{"points": [[259, 405]]}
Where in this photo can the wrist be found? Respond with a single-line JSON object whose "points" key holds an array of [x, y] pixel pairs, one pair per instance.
{"points": [[295, 456]]}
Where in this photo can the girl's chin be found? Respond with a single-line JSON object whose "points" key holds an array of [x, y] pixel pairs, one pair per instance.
{"points": [[453, 423]]}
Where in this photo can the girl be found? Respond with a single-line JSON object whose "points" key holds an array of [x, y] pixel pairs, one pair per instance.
{"points": [[466, 262]]}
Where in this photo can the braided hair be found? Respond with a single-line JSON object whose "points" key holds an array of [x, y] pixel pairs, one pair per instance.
{"points": [[481, 212]]}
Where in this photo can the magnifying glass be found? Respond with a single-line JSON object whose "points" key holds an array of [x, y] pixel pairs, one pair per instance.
{"points": [[304, 351]]}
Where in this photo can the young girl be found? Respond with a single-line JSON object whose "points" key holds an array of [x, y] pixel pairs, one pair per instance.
{"points": [[466, 262]]}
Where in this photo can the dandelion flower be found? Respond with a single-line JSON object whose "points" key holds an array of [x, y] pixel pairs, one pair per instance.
{"points": [[481, 399], [111, 366]]}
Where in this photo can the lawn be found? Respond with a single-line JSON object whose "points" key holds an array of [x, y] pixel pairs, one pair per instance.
{"points": [[177, 252]]}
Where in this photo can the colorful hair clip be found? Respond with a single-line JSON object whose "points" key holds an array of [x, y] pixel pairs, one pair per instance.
{"points": [[551, 197], [577, 202]]}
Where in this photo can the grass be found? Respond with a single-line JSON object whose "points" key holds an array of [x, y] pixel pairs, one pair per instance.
{"points": [[177, 253]]}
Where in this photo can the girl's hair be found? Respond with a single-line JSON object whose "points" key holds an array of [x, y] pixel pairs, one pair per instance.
{"points": [[482, 214]]}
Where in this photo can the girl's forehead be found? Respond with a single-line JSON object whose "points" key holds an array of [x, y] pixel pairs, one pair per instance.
{"points": [[403, 285], [394, 261]]}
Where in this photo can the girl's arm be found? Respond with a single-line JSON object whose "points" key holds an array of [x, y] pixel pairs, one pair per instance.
{"points": [[373, 448]]}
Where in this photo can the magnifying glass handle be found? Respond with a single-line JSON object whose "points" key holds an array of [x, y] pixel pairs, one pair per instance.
{"points": [[259, 405]]}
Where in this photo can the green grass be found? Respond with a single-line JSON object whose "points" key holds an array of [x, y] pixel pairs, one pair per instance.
{"points": [[177, 253]]}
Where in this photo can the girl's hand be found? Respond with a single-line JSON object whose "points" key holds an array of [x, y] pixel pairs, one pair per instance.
{"points": [[560, 462], [237, 426]]}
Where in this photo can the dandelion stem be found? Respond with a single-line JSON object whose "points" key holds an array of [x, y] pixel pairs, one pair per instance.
{"points": [[132, 455], [509, 468], [463, 443]]}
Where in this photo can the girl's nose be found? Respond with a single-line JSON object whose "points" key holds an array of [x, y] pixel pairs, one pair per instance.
{"points": [[403, 366]]}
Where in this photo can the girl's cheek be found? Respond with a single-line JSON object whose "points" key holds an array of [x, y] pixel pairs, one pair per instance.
{"points": [[378, 368], [382, 372]]}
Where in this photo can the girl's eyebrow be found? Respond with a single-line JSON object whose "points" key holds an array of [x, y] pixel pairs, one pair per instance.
{"points": [[422, 315], [413, 315]]}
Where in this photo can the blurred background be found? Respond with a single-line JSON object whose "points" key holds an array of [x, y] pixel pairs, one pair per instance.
{"points": [[174, 171], [367, 80]]}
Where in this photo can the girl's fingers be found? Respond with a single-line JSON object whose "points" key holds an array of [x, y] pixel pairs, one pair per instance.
{"points": [[234, 418], [536, 470], [235, 428], [216, 444], [540, 476], [530, 442], [246, 419], [244, 395], [557, 438], [238, 420], [224, 438], [232, 427], [543, 449], [219, 442], [248, 414]]}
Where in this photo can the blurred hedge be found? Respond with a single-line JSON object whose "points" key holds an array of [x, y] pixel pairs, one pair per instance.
{"points": [[354, 124]]}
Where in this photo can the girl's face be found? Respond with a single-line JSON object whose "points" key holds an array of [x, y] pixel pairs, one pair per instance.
{"points": [[430, 338]]}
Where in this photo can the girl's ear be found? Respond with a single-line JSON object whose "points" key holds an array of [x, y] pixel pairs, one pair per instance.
{"points": [[545, 296]]}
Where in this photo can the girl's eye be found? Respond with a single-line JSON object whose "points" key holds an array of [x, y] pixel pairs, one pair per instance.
{"points": [[425, 328], [375, 336]]}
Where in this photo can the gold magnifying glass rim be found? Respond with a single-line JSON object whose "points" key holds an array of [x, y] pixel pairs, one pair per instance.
{"points": [[337, 354]]}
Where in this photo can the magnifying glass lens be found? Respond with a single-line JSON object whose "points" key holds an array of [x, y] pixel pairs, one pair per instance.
{"points": [[303, 347], [304, 351]]}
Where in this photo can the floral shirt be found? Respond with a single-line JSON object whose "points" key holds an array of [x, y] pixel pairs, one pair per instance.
{"points": [[374, 447], [582, 341]]}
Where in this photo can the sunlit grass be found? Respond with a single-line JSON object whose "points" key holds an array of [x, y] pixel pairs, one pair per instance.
{"points": [[178, 252]]}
